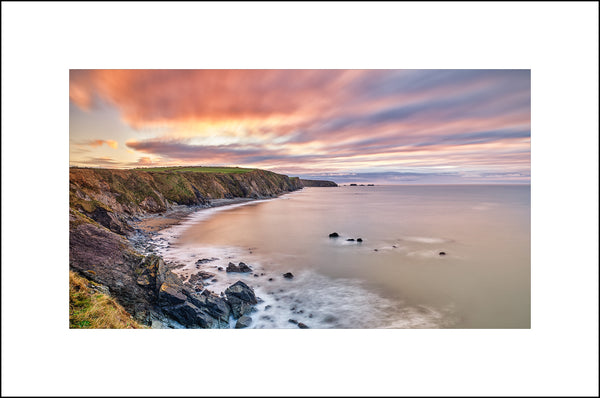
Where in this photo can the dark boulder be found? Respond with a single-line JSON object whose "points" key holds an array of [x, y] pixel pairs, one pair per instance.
{"points": [[210, 304], [350, 240], [206, 260], [171, 294], [241, 267], [302, 326], [442, 253], [189, 315], [240, 298], [359, 240], [295, 322], [243, 322], [288, 275], [334, 235]]}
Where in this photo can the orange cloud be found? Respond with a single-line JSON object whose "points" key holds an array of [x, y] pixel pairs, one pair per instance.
{"points": [[97, 143]]}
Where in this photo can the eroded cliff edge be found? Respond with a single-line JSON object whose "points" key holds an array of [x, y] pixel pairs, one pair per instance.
{"points": [[103, 204]]}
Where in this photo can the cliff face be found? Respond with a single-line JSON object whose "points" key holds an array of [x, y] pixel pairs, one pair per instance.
{"points": [[110, 196], [102, 204], [318, 183]]}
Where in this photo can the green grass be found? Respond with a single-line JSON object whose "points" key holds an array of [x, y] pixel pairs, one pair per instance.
{"points": [[92, 310], [200, 169]]}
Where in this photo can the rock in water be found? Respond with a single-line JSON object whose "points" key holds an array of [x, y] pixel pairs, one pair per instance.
{"points": [[243, 322], [442, 253], [302, 326], [244, 268], [334, 235], [359, 240], [288, 275], [240, 298], [350, 240], [231, 267], [295, 322]]}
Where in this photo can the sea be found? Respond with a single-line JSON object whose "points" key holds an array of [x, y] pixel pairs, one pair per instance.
{"points": [[431, 256]]}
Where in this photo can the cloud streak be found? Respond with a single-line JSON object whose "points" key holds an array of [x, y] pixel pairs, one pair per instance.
{"points": [[331, 120]]}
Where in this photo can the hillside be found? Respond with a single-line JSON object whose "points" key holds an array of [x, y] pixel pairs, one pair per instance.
{"points": [[111, 197], [317, 183], [112, 285]]}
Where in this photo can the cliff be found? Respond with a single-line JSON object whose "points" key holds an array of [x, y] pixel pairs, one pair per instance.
{"points": [[102, 205], [111, 197], [318, 183]]}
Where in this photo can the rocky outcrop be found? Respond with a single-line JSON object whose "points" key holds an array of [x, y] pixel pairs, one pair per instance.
{"points": [[241, 267], [145, 286], [243, 322], [317, 183], [241, 298]]}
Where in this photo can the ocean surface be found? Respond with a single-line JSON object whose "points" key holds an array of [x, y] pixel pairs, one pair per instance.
{"points": [[395, 278]]}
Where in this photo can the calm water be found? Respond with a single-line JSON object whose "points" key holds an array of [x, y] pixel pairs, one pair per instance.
{"points": [[395, 277]]}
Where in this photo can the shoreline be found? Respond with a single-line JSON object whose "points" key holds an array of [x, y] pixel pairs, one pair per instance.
{"points": [[152, 223]]}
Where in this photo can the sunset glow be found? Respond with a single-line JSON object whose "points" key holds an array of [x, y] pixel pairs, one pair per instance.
{"points": [[385, 126]]}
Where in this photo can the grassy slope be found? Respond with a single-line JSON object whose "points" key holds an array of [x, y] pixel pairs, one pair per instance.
{"points": [[149, 189], [90, 309], [200, 169]]}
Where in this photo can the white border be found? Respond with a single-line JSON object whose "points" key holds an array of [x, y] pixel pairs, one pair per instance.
{"points": [[558, 41]]}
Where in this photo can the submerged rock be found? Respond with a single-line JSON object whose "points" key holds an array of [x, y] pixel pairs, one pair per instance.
{"points": [[295, 322], [334, 235], [243, 322], [206, 260], [350, 240], [302, 326], [359, 240], [442, 253], [288, 275]]}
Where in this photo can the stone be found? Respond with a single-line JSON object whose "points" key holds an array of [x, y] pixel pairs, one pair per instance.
{"points": [[302, 326], [242, 267], [270, 279], [170, 294], [295, 322], [243, 322], [334, 235], [442, 253], [350, 240], [240, 298], [206, 260], [288, 275], [189, 315], [359, 240], [210, 304]]}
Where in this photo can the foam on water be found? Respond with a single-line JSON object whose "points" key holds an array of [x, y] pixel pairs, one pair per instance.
{"points": [[311, 298]]}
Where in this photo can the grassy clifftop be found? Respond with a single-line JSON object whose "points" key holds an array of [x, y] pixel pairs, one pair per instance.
{"points": [[106, 195]]}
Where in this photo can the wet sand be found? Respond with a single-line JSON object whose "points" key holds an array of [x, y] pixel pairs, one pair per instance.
{"points": [[156, 222]]}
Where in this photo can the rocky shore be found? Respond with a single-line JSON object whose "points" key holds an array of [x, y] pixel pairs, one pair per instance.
{"points": [[114, 215]]}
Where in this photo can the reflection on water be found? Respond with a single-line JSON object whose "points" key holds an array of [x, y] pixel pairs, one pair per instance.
{"points": [[396, 277]]}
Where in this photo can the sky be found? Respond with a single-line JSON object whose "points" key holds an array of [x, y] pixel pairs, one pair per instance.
{"points": [[349, 126]]}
